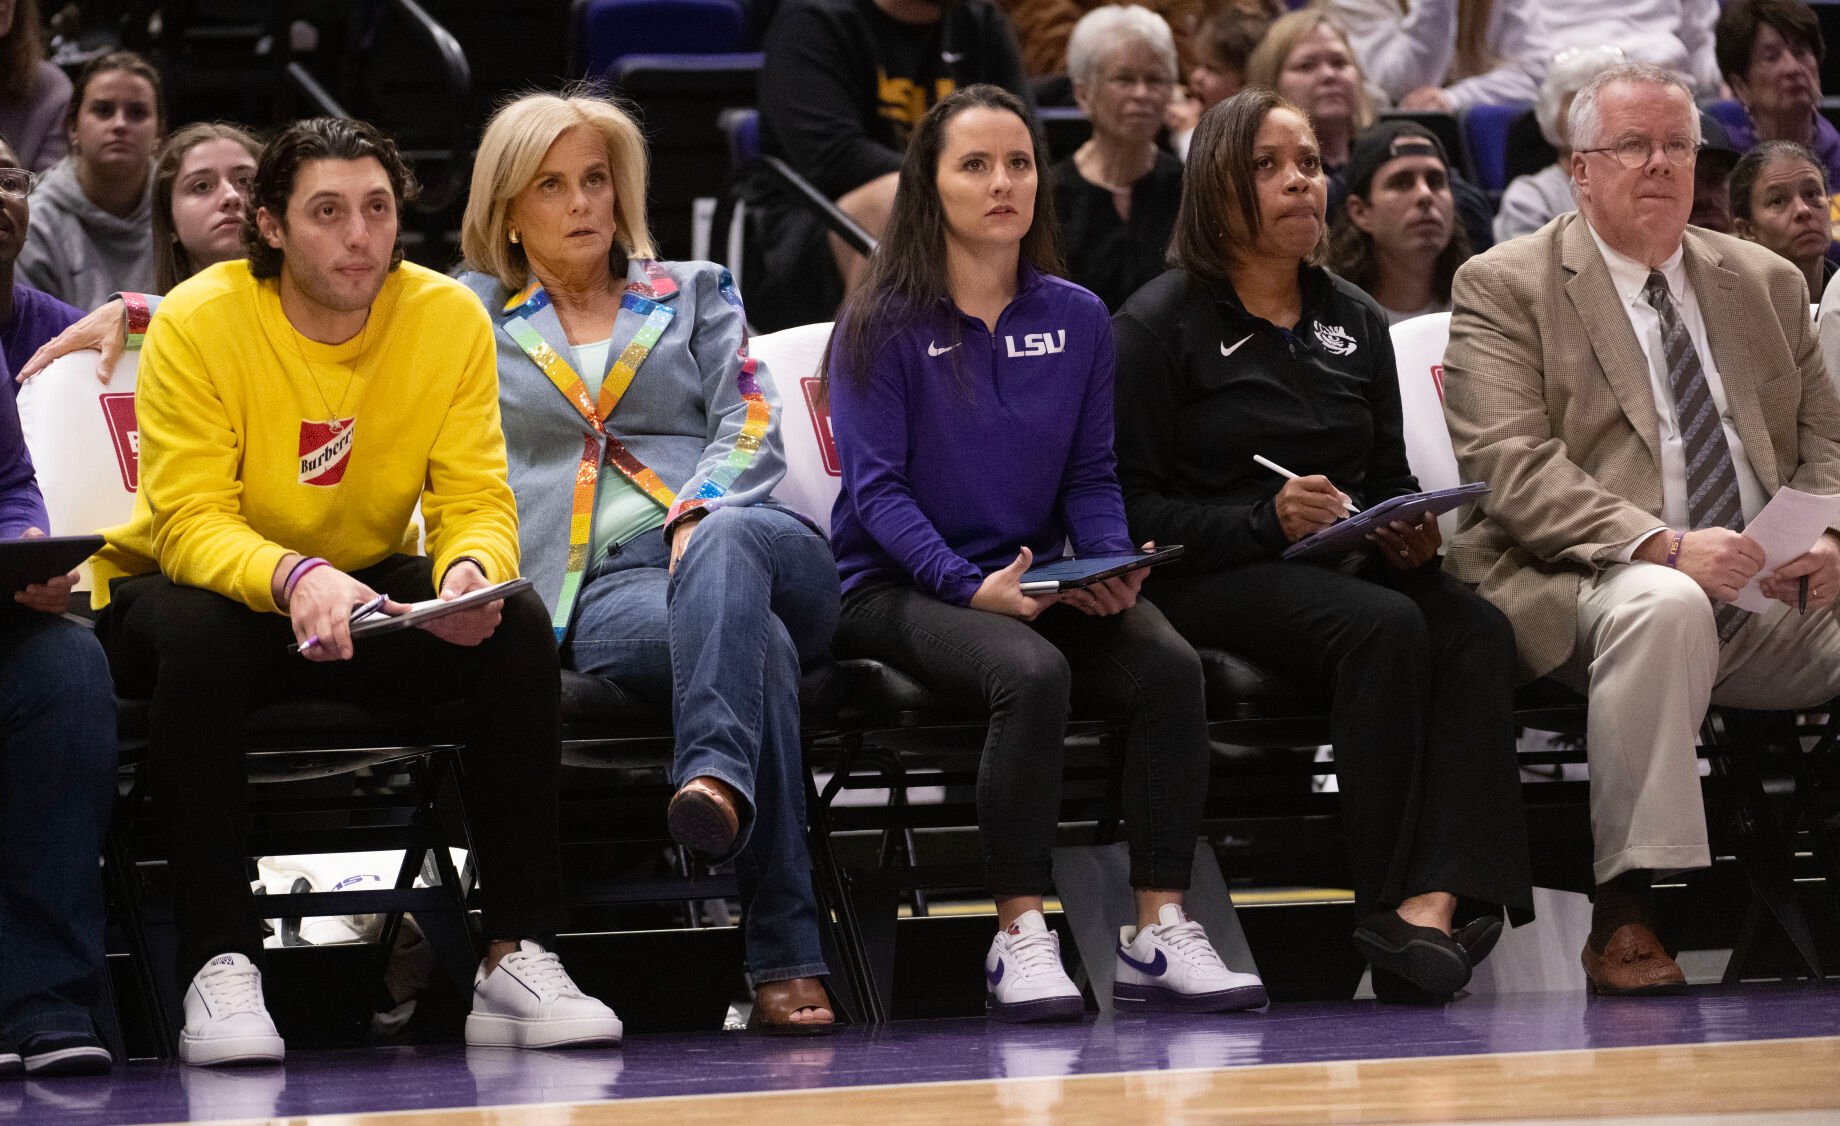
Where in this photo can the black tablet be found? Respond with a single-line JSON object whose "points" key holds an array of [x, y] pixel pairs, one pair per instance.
{"points": [[1075, 572], [24, 562]]}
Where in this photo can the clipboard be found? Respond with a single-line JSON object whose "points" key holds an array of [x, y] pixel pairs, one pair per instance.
{"points": [[1074, 572], [419, 612], [42, 558], [1345, 536]]}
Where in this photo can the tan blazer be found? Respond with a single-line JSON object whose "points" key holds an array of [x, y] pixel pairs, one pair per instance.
{"points": [[1548, 397]]}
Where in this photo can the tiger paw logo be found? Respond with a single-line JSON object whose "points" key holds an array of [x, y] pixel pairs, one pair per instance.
{"points": [[325, 451]]}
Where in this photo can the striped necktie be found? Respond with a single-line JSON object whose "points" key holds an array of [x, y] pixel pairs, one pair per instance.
{"points": [[1712, 484]]}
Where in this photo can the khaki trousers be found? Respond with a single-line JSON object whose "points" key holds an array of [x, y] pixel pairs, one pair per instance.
{"points": [[1649, 661]]}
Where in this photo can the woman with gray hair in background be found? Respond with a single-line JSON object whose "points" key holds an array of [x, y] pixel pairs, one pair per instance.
{"points": [[1118, 193], [1532, 201]]}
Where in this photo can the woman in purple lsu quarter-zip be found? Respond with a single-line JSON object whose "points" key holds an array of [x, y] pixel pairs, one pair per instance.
{"points": [[971, 399]]}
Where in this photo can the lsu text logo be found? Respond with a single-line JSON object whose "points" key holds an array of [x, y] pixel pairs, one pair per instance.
{"points": [[1038, 343], [118, 411], [325, 451]]}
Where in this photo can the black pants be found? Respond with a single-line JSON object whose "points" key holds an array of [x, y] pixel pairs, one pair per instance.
{"points": [[1024, 674], [208, 661], [1422, 672]]}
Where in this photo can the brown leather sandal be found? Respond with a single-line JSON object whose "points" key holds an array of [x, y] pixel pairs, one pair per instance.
{"points": [[776, 1001], [703, 816]]}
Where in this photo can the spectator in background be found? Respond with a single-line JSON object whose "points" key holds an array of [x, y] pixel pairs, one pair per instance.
{"points": [[1117, 195], [1044, 28], [1711, 178], [1779, 200], [1770, 52], [1446, 54], [1247, 346], [28, 318], [34, 94], [844, 84], [1397, 237], [95, 207], [1531, 201], [1306, 59], [200, 186], [57, 743], [1223, 42]]}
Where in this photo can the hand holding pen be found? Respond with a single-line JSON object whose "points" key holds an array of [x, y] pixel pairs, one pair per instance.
{"points": [[1306, 505], [323, 608]]}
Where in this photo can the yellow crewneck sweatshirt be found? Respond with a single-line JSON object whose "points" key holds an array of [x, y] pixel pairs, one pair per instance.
{"points": [[239, 461]]}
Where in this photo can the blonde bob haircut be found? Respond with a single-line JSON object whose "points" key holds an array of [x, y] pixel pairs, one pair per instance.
{"points": [[510, 154]]}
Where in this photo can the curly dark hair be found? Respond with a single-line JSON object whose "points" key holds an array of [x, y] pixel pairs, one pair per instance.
{"points": [[1351, 254], [317, 138]]}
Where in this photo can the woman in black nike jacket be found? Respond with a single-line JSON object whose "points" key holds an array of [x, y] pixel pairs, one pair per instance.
{"points": [[1248, 347]]}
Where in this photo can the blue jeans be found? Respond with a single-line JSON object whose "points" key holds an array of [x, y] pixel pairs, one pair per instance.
{"points": [[57, 784], [722, 644]]}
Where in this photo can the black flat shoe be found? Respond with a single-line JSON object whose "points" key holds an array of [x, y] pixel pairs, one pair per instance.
{"points": [[1396, 990], [1424, 956], [1478, 936]]}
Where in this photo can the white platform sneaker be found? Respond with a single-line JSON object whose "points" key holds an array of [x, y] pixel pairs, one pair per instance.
{"points": [[1170, 966], [1023, 976], [226, 1020], [529, 1001]]}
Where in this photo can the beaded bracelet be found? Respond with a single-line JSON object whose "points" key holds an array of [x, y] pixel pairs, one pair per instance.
{"points": [[299, 572], [1673, 552]]}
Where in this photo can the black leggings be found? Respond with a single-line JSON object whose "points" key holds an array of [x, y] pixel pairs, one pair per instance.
{"points": [[208, 661], [1024, 674], [1422, 718]]}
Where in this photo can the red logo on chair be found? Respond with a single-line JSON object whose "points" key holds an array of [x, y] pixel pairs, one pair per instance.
{"points": [[1437, 380], [118, 412], [325, 450], [818, 402]]}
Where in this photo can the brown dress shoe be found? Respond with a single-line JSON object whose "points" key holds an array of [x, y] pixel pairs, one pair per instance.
{"points": [[703, 817], [1632, 963], [776, 1001]]}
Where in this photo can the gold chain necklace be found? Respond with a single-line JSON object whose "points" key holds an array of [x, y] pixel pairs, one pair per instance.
{"points": [[333, 421]]}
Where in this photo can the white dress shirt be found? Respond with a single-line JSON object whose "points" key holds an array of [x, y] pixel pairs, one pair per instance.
{"points": [[1630, 278]]}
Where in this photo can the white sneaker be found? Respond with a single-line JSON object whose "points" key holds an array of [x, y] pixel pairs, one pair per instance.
{"points": [[1170, 966], [225, 1018], [1023, 974], [529, 1001]]}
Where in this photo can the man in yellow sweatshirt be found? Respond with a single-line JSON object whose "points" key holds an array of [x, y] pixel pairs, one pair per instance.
{"points": [[294, 408]]}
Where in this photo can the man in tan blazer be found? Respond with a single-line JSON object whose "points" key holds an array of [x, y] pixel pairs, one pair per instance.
{"points": [[1634, 391]]}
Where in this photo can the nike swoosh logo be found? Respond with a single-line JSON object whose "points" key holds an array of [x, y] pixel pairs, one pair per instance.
{"points": [[933, 349], [1226, 351], [951, 56], [996, 975], [1157, 965]]}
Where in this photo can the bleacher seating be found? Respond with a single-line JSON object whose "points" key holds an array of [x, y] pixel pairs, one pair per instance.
{"points": [[605, 31], [1485, 131]]}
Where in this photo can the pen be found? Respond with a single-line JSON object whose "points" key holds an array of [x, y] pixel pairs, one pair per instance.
{"points": [[1283, 472], [1801, 594], [358, 614]]}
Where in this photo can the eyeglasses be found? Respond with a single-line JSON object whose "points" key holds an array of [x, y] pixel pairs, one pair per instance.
{"points": [[1634, 152], [17, 183], [1126, 82]]}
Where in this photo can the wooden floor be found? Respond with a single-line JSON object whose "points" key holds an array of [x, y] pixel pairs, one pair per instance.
{"points": [[1770, 1081]]}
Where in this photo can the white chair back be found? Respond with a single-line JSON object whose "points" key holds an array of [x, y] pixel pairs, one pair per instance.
{"points": [[84, 441], [1418, 349], [813, 474]]}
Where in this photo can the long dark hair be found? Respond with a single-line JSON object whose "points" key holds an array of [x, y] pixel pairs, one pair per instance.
{"points": [[171, 262], [1221, 181], [906, 276]]}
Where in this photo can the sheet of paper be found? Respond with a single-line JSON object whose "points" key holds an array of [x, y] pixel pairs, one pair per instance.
{"points": [[1785, 529]]}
